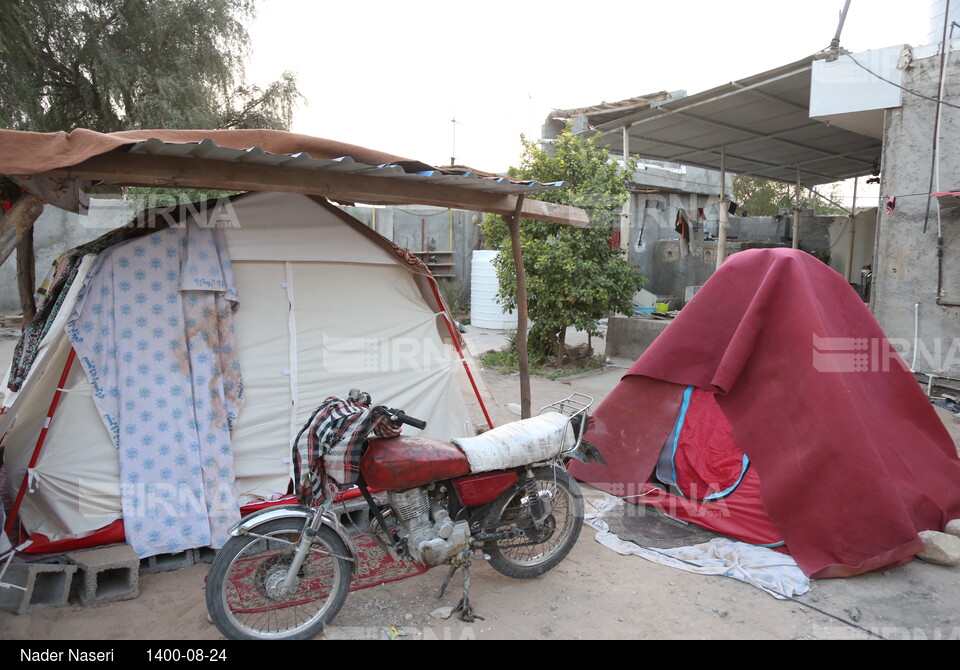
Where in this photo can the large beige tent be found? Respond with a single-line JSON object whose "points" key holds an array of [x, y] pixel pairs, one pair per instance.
{"points": [[325, 305]]}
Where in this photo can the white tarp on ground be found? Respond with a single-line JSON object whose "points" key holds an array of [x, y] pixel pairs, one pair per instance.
{"points": [[768, 570], [323, 309]]}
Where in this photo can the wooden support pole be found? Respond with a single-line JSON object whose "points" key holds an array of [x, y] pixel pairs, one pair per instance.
{"points": [[16, 222], [26, 275], [513, 222]]}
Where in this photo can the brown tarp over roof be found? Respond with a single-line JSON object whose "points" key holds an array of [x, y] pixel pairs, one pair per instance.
{"points": [[60, 167], [27, 153]]}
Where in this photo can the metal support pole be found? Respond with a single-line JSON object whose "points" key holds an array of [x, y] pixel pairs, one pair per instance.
{"points": [[853, 233], [625, 227], [796, 212], [724, 211], [625, 138]]}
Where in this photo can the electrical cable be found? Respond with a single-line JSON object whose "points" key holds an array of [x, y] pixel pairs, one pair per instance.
{"points": [[840, 235], [941, 87], [784, 596], [903, 88]]}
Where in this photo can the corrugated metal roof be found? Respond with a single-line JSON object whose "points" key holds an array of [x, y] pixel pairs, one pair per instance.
{"points": [[763, 125], [609, 111], [209, 150]]}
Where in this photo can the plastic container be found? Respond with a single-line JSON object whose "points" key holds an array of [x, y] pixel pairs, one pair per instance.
{"points": [[485, 311]]}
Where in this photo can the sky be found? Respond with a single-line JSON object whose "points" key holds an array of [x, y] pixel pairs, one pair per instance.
{"points": [[393, 75]]}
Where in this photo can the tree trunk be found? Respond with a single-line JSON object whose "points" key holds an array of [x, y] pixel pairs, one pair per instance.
{"points": [[26, 276], [17, 222], [561, 347]]}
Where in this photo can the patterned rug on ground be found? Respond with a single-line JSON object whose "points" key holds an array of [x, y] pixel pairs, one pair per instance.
{"points": [[377, 567], [248, 595]]}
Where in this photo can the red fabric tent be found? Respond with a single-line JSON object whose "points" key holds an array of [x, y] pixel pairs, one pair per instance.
{"points": [[850, 458]]}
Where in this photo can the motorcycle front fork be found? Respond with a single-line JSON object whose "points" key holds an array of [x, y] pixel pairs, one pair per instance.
{"points": [[301, 550]]}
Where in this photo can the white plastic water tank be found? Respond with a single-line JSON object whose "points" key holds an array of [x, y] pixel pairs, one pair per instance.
{"points": [[485, 311], [938, 8]]}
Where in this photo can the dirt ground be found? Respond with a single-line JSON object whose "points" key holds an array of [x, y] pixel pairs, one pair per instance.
{"points": [[594, 594]]}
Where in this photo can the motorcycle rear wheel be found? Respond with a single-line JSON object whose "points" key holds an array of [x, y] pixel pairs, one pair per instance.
{"points": [[242, 586], [538, 549]]}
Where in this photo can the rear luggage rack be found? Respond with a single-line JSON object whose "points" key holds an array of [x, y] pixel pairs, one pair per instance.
{"points": [[573, 406]]}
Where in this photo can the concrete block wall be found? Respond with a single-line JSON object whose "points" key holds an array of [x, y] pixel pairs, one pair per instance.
{"points": [[431, 229], [57, 231], [653, 244], [905, 281], [628, 337]]}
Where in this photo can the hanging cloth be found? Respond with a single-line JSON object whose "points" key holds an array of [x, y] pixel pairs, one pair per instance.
{"points": [[153, 330], [682, 226]]}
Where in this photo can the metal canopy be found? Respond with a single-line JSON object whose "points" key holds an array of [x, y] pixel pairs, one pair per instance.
{"points": [[763, 125]]}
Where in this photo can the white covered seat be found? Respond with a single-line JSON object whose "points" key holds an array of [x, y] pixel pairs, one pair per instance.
{"points": [[538, 438]]}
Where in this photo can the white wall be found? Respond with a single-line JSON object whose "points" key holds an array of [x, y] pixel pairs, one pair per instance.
{"points": [[57, 231]]}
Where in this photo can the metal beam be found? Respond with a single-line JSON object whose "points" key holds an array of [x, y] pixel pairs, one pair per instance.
{"points": [[772, 97], [698, 150], [660, 111], [754, 136]]}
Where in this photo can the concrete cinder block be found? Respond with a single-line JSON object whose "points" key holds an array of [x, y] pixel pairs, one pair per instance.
{"points": [[204, 554], [354, 514], [107, 574], [41, 585], [167, 562]]}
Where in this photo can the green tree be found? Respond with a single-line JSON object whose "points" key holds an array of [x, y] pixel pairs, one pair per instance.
{"points": [[762, 197], [574, 277], [112, 65]]}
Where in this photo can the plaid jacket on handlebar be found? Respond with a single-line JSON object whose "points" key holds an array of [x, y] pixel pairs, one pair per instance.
{"points": [[336, 435]]}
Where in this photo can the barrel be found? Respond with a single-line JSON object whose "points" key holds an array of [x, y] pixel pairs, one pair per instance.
{"points": [[485, 310]]}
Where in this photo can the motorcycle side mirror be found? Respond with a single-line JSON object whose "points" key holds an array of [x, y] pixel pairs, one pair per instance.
{"points": [[359, 397]]}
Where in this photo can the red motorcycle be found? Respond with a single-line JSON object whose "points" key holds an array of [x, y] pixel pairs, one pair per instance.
{"points": [[502, 496]]}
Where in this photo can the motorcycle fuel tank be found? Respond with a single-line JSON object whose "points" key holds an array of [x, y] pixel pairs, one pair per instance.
{"points": [[405, 462]]}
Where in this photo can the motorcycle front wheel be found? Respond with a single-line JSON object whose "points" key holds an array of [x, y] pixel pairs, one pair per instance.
{"points": [[528, 548], [243, 593]]}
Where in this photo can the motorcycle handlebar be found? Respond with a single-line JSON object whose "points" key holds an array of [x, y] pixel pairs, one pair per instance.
{"points": [[399, 416]]}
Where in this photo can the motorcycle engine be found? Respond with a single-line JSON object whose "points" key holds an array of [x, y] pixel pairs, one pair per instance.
{"points": [[431, 535]]}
